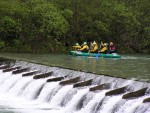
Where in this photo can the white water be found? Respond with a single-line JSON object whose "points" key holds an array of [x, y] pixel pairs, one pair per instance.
{"points": [[26, 95], [8, 83], [47, 89], [3, 78], [32, 88], [130, 105], [148, 110], [88, 108], [56, 100], [71, 106], [142, 108], [20, 85], [108, 106]]}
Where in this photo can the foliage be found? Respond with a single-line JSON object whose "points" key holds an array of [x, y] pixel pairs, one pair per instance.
{"points": [[43, 26], [36, 25]]}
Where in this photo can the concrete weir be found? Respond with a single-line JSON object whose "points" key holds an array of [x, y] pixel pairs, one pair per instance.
{"points": [[146, 100], [116, 91], [55, 79], [44, 75], [81, 84], [73, 90], [20, 70], [135, 94], [4, 67], [30, 73], [70, 81], [11, 69], [100, 87]]}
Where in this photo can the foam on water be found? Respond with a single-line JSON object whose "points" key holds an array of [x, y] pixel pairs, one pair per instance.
{"points": [[3, 78], [108, 106], [46, 90], [27, 95], [56, 100], [88, 108], [130, 105], [71, 106], [32, 89], [8, 83], [20, 85]]}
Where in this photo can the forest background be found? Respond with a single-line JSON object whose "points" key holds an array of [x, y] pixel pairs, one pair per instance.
{"points": [[53, 26]]}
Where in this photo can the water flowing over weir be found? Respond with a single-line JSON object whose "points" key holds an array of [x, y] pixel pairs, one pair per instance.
{"points": [[34, 88]]}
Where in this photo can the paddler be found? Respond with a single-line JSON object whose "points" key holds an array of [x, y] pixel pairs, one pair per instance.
{"points": [[95, 48], [85, 47], [77, 46], [112, 48], [104, 48]]}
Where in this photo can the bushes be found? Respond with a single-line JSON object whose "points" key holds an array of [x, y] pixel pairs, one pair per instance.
{"points": [[43, 26], [2, 45], [31, 28]]}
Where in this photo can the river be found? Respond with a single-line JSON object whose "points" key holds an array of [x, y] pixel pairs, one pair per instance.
{"points": [[129, 66]]}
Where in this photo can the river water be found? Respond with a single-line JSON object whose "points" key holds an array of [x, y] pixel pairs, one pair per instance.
{"points": [[129, 66]]}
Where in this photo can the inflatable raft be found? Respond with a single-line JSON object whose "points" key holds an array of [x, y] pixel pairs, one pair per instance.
{"points": [[79, 53]]}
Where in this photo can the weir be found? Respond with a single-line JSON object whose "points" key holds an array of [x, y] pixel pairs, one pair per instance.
{"points": [[11, 69], [71, 91], [43, 75], [30, 73], [100, 87], [4, 66]]}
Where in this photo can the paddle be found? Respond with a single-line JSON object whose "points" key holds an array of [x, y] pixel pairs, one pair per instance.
{"points": [[98, 52], [97, 55]]}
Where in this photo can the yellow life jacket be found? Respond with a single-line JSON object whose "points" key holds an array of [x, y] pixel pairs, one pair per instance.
{"points": [[103, 49], [77, 47], [85, 47], [95, 48]]}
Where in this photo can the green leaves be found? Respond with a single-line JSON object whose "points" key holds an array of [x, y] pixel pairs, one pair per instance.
{"points": [[48, 25], [9, 29], [32, 22], [49, 20]]}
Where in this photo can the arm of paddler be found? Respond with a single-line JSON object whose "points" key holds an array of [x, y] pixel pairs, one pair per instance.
{"points": [[77, 47], [82, 48], [94, 49], [103, 50]]}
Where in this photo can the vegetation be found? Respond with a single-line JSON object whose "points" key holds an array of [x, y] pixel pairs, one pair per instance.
{"points": [[48, 26]]}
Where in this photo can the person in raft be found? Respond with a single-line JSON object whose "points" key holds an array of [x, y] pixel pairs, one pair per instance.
{"points": [[104, 48], [112, 48], [95, 48], [77, 46], [91, 46], [84, 48]]}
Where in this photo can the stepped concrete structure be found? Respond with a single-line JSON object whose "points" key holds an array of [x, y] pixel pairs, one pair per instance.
{"points": [[71, 88]]}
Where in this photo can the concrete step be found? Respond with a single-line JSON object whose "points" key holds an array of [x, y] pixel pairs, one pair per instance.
{"points": [[116, 91], [100, 87], [70, 81], [84, 83], [134, 94], [44, 75], [20, 71], [11, 69]]}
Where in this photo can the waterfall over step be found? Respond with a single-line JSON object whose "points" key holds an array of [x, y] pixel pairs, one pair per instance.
{"points": [[44, 89]]}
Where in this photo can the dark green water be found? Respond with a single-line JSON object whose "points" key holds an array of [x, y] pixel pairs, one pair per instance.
{"points": [[129, 66]]}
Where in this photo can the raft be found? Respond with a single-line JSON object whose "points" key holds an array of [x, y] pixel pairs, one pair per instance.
{"points": [[79, 53]]}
